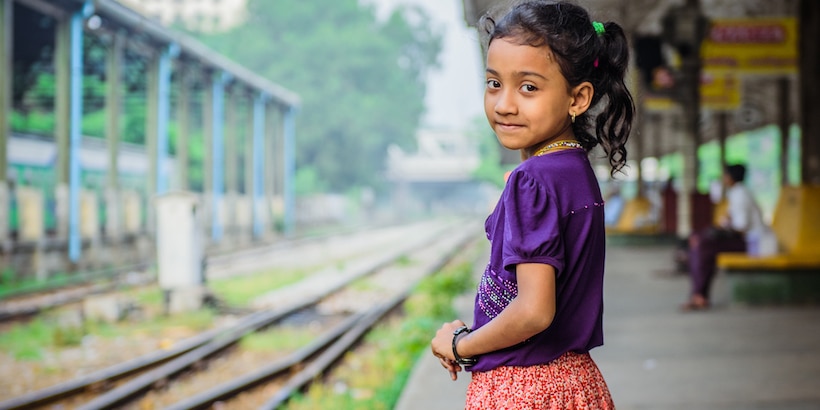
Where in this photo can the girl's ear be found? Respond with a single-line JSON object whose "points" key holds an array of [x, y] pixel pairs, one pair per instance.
{"points": [[581, 98]]}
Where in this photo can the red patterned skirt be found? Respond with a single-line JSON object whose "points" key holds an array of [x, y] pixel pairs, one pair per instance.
{"points": [[571, 381]]}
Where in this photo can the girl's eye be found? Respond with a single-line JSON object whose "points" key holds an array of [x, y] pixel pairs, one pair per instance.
{"points": [[493, 84], [528, 88]]}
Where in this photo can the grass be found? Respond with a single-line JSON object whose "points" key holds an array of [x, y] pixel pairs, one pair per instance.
{"points": [[29, 341], [10, 285], [238, 291], [278, 339], [373, 377]]}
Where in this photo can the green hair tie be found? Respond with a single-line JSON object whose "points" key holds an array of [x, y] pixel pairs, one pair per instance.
{"points": [[599, 27]]}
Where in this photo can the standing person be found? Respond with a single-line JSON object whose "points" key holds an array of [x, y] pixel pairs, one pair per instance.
{"points": [[743, 221], [554, 90]]}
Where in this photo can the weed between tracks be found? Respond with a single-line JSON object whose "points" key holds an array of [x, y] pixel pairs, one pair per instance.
{"points": [[237, 291], [372, 377]]}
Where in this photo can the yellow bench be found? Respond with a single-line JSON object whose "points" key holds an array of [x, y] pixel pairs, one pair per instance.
{"points": [[636, 217], [796, 224]]}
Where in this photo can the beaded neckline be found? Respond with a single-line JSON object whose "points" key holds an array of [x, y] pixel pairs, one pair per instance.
{"points": [[558, 144]]}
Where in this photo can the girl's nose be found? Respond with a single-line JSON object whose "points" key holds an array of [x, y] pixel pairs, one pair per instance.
{"points": [[505, 104]]}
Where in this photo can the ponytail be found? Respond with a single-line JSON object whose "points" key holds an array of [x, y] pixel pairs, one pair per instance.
{"points": [[614, 123]]}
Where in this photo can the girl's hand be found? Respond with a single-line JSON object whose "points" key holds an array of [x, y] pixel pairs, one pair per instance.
{"points": [[442, 346]]}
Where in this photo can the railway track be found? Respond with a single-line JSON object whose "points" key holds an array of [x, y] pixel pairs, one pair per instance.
{"points": [[163, 367], [280, 254]]}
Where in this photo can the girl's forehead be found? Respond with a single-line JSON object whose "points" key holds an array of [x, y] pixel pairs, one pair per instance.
{"points": [[510, 51]]}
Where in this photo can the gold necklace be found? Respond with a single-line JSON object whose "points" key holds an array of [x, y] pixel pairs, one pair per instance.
{"points": [[558, 144]]}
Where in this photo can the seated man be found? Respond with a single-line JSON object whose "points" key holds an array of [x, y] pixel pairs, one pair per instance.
{"points": [[743, 220]]}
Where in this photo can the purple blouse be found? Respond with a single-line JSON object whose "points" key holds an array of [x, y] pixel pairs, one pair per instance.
{"points": [[550, 212]]}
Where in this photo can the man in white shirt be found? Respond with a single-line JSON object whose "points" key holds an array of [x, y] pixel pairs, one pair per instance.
{"points": [[742, 220]]}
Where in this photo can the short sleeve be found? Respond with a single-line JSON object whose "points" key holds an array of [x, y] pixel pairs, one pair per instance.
{"points": [[531, 227]]}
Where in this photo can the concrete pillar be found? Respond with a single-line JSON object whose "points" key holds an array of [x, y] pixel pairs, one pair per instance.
{"points": [[163, 114], [809, 57], [62, 102], [232, 139], [75, 129], [289, 152], [217, 153], [273, 166], [257, 156], [723, 133], [688, 148], [113, 103], [183, 126], [783, 122], [6, 59], [151, 120], [207, 160]]}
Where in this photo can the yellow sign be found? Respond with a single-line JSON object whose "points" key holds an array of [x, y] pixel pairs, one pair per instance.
{"points": [[719, 91], [657, 103], [753, 46]]}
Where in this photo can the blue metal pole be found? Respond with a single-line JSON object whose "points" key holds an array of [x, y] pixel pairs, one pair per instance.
{"points": [[163, 107], [290, 167], [258, 161], [75, 130], [217, 148]]}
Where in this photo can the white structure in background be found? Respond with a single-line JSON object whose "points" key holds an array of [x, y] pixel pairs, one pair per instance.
{"points": [[201, 15], [439, 176], [442, 156]]}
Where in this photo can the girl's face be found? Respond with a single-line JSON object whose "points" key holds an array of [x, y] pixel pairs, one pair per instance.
{"points": [[527, 99]]}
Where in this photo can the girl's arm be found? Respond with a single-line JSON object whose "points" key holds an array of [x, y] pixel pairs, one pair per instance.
{"points": [[528, 314]]}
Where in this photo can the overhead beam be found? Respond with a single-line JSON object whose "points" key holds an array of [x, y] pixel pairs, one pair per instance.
{"points": [[193, 49]]}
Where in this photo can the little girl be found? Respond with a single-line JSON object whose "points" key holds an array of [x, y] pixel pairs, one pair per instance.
{"points": [[552, 77]]}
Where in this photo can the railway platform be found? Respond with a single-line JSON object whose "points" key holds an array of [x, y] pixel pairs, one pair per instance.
{"points": [[654, 357]]}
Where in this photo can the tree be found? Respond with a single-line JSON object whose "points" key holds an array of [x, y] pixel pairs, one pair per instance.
{"points": [[362, 82]]}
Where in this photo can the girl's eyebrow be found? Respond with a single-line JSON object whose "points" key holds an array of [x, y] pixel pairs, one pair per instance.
{"points": [[518, 73]]}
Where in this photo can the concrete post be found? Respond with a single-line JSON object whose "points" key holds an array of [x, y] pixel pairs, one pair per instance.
{"points": [[75, 129], [207, 141], [62, 102], [217, 153], [809, 57], [783, 122], [289, 152], [258, 173], [6, 57], [113, 102], [271, 161], [151, 128], [183, 122], [179, 251], [232, 137]]}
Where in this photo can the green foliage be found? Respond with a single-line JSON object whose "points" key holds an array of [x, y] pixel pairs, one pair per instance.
{"points": [[35, 122], [94, 124], [278, 339], [26, 342], [361, 81]]}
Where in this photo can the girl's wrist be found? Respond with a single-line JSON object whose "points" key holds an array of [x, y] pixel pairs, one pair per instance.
{"points": [[461, 357]]}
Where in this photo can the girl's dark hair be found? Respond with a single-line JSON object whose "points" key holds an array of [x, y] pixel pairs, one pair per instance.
{"points": [[582, 55]]}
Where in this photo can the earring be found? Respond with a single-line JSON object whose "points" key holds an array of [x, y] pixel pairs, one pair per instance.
{"points": [[573, 117]]}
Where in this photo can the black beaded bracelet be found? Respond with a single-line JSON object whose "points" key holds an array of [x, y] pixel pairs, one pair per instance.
{"points": [[464, 361]]}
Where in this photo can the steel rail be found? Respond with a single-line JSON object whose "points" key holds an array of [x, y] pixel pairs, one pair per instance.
{"points": [[142, 383], [237, 385], [61, 390], [346, 342], [353, 328]]}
